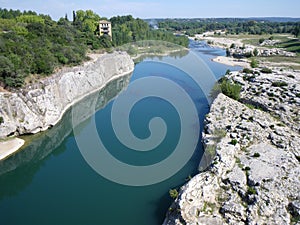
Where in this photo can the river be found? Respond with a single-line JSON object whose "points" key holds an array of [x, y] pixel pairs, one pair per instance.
{"points": [[50, 182]]}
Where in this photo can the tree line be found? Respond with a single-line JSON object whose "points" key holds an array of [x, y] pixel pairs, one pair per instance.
{"points": [[32, 43], [231, 25]]}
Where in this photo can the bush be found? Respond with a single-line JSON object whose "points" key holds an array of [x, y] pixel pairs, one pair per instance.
{"points": [[279, 84], [255, 52], [254, 63], [266, 70], [261, 40], [251, 191], [247, 168], [256, 155], [247, 70], [1, 120], [173, 193], [230, 89], [233, 142]]}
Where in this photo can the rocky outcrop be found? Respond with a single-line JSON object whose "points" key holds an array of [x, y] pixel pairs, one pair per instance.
{"points": [[41, 105], [269, 42], [277, 92], [238, 49], [254, 174], [248, 50]]}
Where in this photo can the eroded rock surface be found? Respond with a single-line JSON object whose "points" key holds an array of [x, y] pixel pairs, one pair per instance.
{"points": [[254, 177], [41, 105]]}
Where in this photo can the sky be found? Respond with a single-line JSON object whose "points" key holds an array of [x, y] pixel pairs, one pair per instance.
{"points": [[161, 8]]}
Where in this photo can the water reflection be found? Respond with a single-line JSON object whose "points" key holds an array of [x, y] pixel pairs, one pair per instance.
{"points": [[22, 166]]}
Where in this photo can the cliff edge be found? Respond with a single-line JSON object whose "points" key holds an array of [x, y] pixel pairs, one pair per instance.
{"points": [[254, 176], [41, 105]]}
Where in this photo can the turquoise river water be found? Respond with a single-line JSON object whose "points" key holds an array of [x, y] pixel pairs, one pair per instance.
{"points": [[49, 182]]}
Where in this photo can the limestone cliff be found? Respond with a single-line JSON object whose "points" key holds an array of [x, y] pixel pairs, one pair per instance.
{"points": [[254, 176], [41, 105]]}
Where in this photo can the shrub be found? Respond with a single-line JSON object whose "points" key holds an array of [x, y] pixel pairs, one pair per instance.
{"points": [[251, 191], [255, 52], [173, 193], [232, 45], [233, 142], [227, 72], [266, 70], [261, 40], [230, 89], [279, 84], [247, 168], [256, 155], [254, 63], [1, 120], [247, 70]]}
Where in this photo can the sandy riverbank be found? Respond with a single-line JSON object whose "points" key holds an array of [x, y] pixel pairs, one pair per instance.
{"points": [[231, 61], [10, 146]]}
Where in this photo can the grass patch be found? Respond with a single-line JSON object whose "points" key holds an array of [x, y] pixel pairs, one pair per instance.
{"points": [[291, 45]]}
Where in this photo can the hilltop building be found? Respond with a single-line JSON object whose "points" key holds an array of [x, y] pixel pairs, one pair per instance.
{"points": [[105, 28]]}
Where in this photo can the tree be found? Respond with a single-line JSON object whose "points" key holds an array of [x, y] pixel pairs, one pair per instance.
{"points": [[255, 52], [74, 16], [6, 68], [296, 30], [86, 21], [254, 63]]}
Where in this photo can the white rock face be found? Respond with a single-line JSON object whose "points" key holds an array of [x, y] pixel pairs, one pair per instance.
{"points": [[41, 105], [252, 179], [277, 92]]}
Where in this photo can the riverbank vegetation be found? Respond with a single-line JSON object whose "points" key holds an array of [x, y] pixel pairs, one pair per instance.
{"points": [[256, 26], [35, 45]]}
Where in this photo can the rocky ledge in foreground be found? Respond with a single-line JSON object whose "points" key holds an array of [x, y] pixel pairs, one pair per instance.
{"points": [[255, 175], [41, 105]]}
